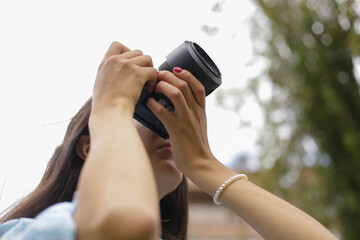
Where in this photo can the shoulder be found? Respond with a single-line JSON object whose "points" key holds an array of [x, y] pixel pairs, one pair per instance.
{"points": [[55, 222]]}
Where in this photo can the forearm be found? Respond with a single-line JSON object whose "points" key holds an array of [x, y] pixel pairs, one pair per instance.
{"points": [[270, 216], [117, 181]]}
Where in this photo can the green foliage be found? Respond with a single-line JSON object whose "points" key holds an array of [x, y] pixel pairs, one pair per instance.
{"points": [[310, 47], [310, 142]]}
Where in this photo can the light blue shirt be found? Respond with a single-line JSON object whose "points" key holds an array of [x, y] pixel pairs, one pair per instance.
{"points": [[54, 223]]}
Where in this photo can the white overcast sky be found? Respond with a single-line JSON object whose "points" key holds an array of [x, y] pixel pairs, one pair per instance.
{"points": [[50, 51]]}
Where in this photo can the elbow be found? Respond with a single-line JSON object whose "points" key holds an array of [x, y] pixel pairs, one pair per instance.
{"points": [[121, 224], [129, 225]]}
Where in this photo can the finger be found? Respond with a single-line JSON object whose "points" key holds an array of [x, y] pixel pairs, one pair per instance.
{"points": [[115, 48], [159, 110], [145, 62], [179, 83], [152, 83], [151, 76], [121, 58], [196, 86], [130, 54], [146, 75], [142, 61], [131, 57], [174, 94]]}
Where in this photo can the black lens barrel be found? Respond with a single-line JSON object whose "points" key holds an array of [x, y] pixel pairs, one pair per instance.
{"points": [[192, 57]]}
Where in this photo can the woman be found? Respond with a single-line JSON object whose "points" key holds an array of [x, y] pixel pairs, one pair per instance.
{"points": [[128, 169]]}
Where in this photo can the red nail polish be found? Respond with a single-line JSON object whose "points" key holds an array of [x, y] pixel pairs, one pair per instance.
{"points": [[178, 69]]}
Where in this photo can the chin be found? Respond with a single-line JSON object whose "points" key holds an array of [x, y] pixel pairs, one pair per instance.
{"points": [[167, 181], [167, 175]]}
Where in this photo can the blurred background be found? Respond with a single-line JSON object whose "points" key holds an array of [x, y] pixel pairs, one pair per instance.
{"points": [[287, 113]]}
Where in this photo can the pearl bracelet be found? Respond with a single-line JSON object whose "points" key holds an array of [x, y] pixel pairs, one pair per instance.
{"points": [[227, 183]]}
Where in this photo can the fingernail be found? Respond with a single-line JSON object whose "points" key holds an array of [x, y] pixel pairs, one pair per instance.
{"points": [[178, 69]]}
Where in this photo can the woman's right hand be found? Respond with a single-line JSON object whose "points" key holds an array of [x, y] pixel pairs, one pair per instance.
{"points": [[121, 77]]}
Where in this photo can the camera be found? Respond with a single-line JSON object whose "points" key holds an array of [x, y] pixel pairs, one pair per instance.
{"points": [[189, 56]]}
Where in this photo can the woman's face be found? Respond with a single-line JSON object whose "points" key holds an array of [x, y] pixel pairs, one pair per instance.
{"points": [[167, 176]]}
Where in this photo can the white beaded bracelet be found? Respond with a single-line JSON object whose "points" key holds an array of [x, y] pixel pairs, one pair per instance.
{"points": [[227, 183]]}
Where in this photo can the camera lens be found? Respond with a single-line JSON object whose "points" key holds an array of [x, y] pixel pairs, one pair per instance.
{"points": [[206, 60], [192, 57]]}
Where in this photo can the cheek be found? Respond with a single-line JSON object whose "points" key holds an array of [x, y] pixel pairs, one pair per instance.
{"points": [[147, 137]]}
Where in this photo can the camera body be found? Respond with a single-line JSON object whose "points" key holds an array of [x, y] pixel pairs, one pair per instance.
{"points": [[189, 56]]}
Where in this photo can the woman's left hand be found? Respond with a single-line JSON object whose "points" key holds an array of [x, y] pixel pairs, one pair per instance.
{"points": [[192, 155], [187, 126]]}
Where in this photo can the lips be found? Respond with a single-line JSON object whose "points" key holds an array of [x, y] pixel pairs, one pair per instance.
{"points": [[165, 145]]}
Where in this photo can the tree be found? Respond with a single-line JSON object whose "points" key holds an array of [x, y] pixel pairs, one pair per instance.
{"points": [[310, 142]]}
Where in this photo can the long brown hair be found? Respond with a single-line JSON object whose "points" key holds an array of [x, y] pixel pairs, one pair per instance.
{"points": [[62, 173]]}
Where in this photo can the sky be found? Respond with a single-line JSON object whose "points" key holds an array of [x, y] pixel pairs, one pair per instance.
{"points": [[50, 52]]}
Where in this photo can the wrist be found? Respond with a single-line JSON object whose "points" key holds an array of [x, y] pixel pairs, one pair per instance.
{"points": [[209, 175], [122, 106], [109, 120]]}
